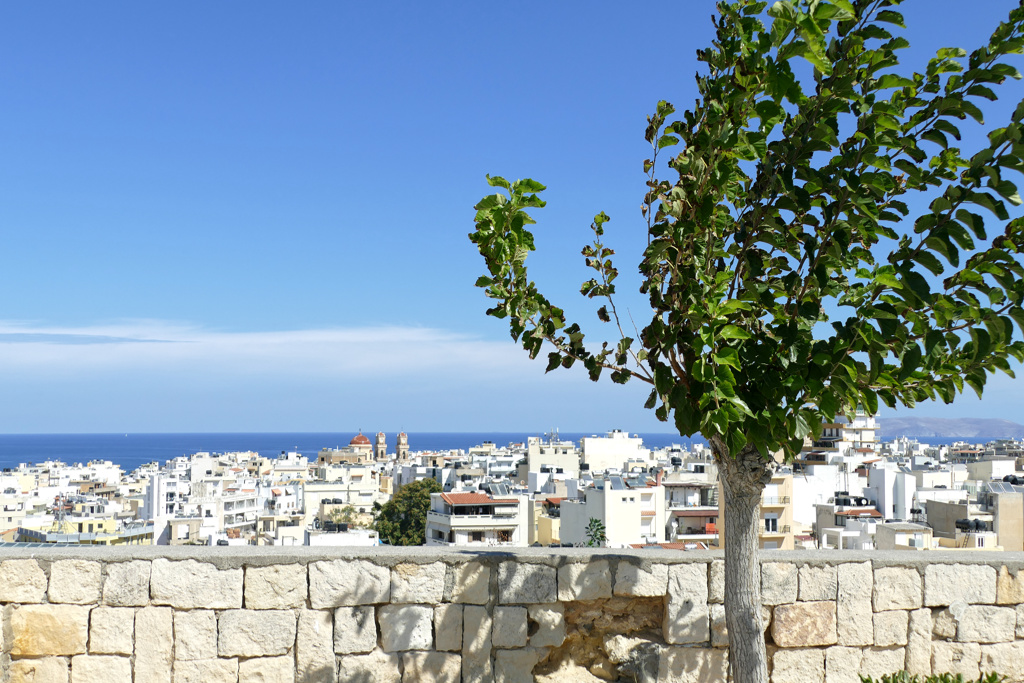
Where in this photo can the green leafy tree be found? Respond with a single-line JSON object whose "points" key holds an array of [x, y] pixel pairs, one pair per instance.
{"points": [[820, 244], [403, 519], [596, 536], [347, 515]]}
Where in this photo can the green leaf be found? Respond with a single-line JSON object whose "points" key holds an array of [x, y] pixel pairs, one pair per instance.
{"points": [[733, 332], [890, 17]]}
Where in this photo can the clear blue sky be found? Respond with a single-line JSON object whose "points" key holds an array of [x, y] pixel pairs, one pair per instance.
{"points": [[279, 196]]}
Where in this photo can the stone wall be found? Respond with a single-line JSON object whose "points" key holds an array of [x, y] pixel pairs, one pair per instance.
{"points": [[150, 614]]}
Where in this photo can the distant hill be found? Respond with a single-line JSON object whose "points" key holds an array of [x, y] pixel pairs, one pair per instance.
{"points": [[966, 427]]}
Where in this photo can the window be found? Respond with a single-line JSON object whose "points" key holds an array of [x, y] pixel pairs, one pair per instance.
{"points": [[476, 536], [771, 523], [504, 536]]}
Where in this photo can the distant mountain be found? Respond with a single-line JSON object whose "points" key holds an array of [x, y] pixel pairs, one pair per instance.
{"points": [[966, 427]]}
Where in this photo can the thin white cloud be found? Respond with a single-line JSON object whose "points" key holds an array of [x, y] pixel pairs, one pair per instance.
{"points": [[159, 348]]}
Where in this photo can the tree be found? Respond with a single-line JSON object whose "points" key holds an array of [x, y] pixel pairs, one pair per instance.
{"points": [[596, 536], [403, 519], [823, 244], [347, 515]]}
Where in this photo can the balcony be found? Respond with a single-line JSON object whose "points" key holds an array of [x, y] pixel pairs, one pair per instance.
{"points": [[775, 501], [504, 520], [780, 531]]}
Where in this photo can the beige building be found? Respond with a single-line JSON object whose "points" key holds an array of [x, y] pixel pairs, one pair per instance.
{"points": [[902, 536], [776, 514]]}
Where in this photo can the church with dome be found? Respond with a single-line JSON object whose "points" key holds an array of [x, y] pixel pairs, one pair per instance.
{"points": [[360, 450]]}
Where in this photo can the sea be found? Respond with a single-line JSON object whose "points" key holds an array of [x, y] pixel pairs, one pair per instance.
{"points": [[132, 450]]}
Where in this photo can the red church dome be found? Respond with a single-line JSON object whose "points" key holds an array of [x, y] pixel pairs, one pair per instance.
{"points": [[359, 440]]}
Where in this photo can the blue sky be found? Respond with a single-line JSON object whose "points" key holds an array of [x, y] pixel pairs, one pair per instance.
{"points": [[276, 199]]}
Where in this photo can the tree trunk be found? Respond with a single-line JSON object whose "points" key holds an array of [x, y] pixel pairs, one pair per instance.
{"points": [[743, 479]]}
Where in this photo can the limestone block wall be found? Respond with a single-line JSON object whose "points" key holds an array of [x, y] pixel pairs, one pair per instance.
{"points": [[184, 614]]}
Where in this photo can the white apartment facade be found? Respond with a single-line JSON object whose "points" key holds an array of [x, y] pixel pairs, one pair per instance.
{"points": [[478, 519]]}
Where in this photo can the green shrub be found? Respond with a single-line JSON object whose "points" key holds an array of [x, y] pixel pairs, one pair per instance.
{"points": [[904, 677]]}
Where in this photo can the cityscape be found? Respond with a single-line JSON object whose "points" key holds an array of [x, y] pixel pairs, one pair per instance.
{"points": [[847, 490], [672, 343]]}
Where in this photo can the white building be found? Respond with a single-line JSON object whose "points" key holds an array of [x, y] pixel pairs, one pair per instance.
{"points": [[617, 450], [631, 515], [477, 519]]}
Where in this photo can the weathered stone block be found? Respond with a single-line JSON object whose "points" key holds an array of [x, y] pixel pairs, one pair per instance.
{"points": [[1006, 659], [41, 630], [881, 661], [422, 583], [897, 588], [75, 581], [477, 668], [891, 628], [379, 667], [471, 583], [476, 630], [804, 624], [842, 664], [1010, 587], [314, 648], [585, 581], [945, 584], [634, 580], [206, 671], [195, 634], [448, 628], [342, 583], [48, 669], [779, 583], [687, 616], [127, 584], [855, 581], [154, 644], [255, 633], [188, 584], [406, 627], [854, 624], [716, 581], [692, 664], [355, 629], [797, 666], [431, 667], [1020, 621], [112, 631], [956, 658], [549, 625], [266, 670], [279, 586], [986, 624], [818, 583], [509, 627], [100, 669], [919, 642], [516, 666], [22, 581], [719, 629], [944, 622], [526, 583]]}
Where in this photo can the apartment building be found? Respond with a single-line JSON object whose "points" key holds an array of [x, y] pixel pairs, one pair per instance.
{"points": [[632, 510], [478, 519], [617, 450]]}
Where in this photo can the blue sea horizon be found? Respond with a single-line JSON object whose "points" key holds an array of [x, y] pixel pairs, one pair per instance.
{"points": [[132, 450]]}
